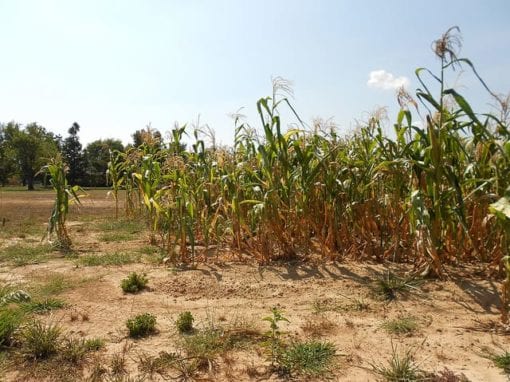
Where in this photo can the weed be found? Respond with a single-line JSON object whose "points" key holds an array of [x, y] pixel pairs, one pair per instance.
{"points": [[13, 296], [53, 284], [44, 306], [184, 322], [445, 375], [205, 345], [125, 226], [10, 320], [94, 344], [312, 358], [330, 305], [20, 255], [318, 326], [149, 250], [390, 285], [149, 365], [134, 283], [73, 350], [403, 325], [401, 367], [118, 364], [141, 325], [274, 336], [115, 258], [97, 371], [40, 341], [502, 361], [113, 236]]}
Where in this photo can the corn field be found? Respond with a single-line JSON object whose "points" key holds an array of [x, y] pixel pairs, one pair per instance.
{"points": [[422, 195]]}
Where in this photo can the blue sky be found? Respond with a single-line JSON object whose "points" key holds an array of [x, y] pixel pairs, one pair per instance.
{"points": [[115, 66]]}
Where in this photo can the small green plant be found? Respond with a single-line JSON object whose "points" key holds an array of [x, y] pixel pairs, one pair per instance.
{"points": [[10, 320], [311, 358], [134, 283], [141, 325], [184, 322], [274, 336], [40, 341], [403, 325], [502, 361]]}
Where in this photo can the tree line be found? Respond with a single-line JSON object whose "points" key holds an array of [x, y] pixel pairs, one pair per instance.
{"points": [[24, 149]]}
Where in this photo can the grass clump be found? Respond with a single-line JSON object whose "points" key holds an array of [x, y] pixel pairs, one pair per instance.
{"points": [[44, 306], [20, 255], [310, 358], [53, 284], [124, 226], [134, 283], [115, 258], [357, 304], [73, 350], [150, 365], [94, 344], [390, 286], [401, 367], [40, 341], [204, 346], [184, 322], [403, 325], [318, 326], [141, 325], [10, 320], [109, 237]]}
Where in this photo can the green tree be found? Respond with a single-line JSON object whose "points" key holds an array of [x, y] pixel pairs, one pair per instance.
{"points": [[30, 147], [97, 156], [7, 163], [73, 155]]}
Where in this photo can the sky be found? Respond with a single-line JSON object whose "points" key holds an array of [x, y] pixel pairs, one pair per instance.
{"points": [[115, 66]]}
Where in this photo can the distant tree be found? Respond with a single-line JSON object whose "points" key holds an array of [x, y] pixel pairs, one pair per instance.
{"points": [[7, 163], [73, 155], [97, 156], [31, 148]]}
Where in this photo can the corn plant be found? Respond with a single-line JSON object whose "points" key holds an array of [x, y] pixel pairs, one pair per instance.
{"points": [[114, 174], [421, 195], [65, 195], [501, 209]]}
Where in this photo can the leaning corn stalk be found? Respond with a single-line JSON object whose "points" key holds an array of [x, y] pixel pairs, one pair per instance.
{"points": [[65, 195]]}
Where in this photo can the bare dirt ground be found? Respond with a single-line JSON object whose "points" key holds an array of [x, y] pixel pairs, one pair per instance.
{"points": [[455, 319]]}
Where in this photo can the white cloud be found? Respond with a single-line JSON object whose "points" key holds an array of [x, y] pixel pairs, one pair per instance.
{"points": [[382, 79]]}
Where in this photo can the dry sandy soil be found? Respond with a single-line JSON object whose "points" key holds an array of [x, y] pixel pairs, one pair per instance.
{"points": [[456, 318]]}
